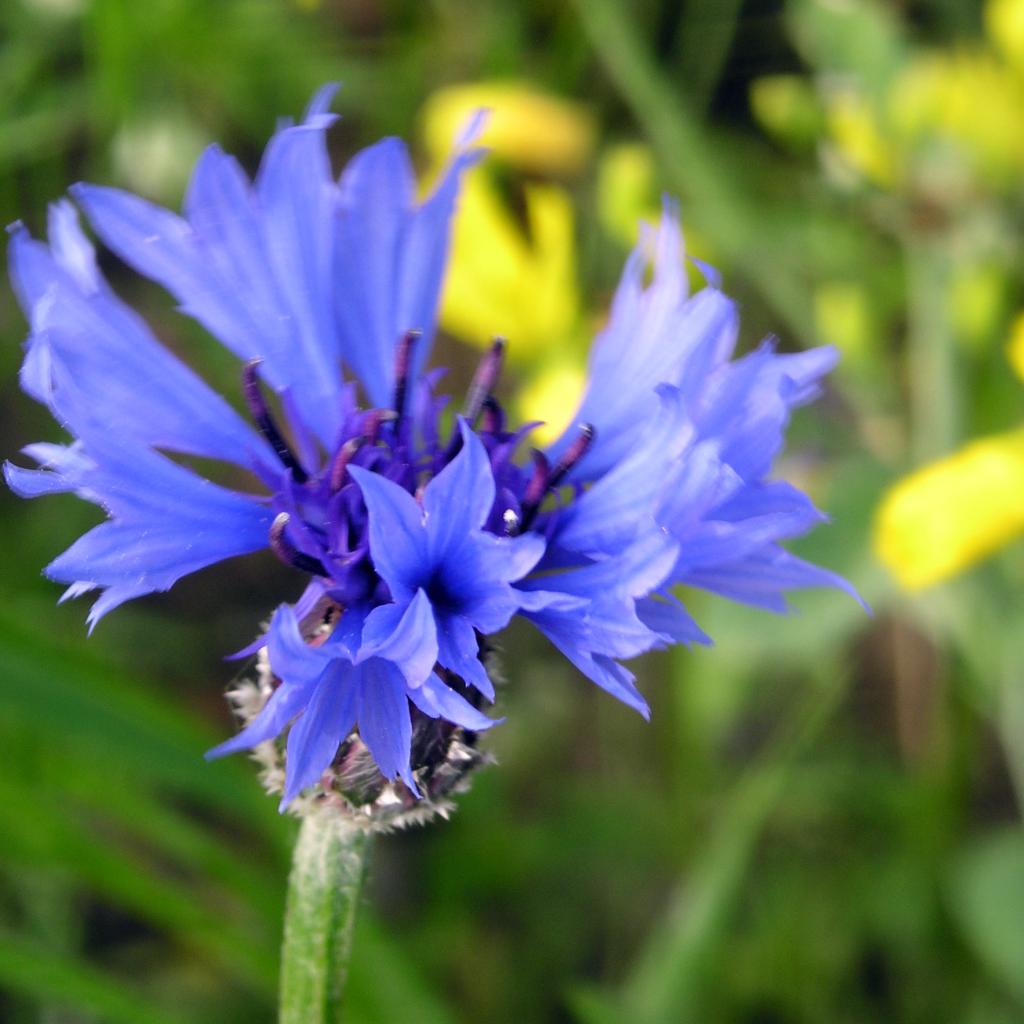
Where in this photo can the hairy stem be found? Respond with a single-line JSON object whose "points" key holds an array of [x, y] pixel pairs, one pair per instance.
{"points": [[323, 895]]}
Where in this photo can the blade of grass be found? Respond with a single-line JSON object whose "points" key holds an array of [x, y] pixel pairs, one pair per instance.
{"points": [[130, 877], [705, 37], [34, 971], [91, 707], [691, 164], [666, 981]]}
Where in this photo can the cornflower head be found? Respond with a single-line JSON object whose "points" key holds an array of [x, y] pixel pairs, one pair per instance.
{"points": [[419, 534]]}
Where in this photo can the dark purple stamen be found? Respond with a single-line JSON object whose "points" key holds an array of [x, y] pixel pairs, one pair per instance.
{"points": [[287, 552], [485, 379], [403, 367], [373, 420], [538, 485], [260, 412], [492, 418], [535, 491], [572, 455], [545, 479], [345, 454]]}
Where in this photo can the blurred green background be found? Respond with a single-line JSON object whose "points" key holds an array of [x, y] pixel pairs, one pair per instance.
{"points": [[822, 821]]}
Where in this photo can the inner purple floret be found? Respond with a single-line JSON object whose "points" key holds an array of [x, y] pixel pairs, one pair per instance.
{"points": [[320, 525]]}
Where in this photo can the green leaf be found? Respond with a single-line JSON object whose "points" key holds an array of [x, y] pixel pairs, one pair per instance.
{"points": [[32, 970], [986, 893]]}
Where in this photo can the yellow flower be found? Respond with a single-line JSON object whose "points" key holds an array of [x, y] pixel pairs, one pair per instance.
{"points": [[945, 114], [855, 129], [1004, 23], [514, 273], [945, 517], [968, 100], [552, 396], [502, 282], [529, 129]]}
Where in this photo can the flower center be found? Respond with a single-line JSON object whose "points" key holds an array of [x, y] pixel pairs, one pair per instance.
{"points": [[320, 526]]}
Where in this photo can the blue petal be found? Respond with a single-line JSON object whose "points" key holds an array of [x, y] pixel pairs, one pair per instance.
{"points": [[167, 522], [253, 267], [32, 483], [291, 658], [284, 704], [314, 739], [97, 346], [112, 597], [654, 335], [700, 482], [746, 404], [298, 200], [459, 652], [477, 571], [612, 512], [458, 500], [132, 480], [320, 104], [390, 259], [775, 498], [609, 625], [377, 193], [667, 616], [154, 555], [480, 573], [403, 635], [384, 723], [763, 578], [613, 678], [520, 555], [62, 468], [802, 372], [300, 667], [424, 253], [71, 249], [436, 700], [752, 518], [570, 635], [635, 572], [398, 544]]}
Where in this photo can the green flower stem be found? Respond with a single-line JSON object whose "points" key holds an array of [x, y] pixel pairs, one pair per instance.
{"points": [[323, 896], [931, 348]]}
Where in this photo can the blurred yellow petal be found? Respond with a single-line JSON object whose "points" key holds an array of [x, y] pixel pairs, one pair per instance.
{"points": [[945, 517], [552, 395], [626, 191], [1015, 346], [1004, 21], [967, 101], [855, 129], [502, 282], [527, 128]]}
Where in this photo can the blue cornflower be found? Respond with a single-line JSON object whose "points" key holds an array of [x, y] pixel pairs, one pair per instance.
{"points": [[421, 534]]}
